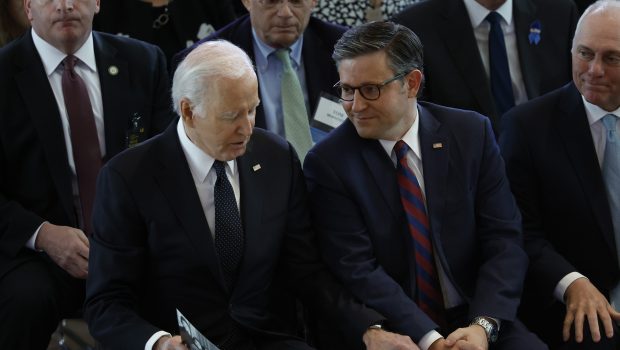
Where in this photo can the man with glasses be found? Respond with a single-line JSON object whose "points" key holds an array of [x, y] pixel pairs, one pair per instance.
{"points": [[272, 27], [411, 204]]}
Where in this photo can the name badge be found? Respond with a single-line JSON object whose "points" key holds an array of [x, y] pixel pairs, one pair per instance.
{"points": [[329, 114]]}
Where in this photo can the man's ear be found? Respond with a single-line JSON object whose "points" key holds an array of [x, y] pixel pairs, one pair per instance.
{"points": [[247, 4], [414, 82], [187, 115]]}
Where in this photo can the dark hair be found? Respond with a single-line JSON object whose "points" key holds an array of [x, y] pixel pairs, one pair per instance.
{"points": [[401, 45]]}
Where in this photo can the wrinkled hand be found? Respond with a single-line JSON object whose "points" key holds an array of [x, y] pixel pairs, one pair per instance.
{"points": [[585, 303], [170, 343], [67, 246], [378, 339]]}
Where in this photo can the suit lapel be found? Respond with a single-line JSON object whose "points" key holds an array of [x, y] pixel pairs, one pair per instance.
{"points": [[252, 195], [115, 93], [43, 109], [176, 183], [574, 131], [461, 44], [524, 12], [435, 149]]}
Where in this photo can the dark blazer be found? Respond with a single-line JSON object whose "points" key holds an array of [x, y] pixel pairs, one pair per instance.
{"points": [[319, 40], [453, 69], [35, 178], [556, 178], [474, 220], [152, 250]]}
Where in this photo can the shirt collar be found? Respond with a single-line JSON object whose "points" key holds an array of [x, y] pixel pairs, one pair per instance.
{"points": [[52, 57], [199, 162], [411, 138], [265, 50], [477, 13], [596, 113]]}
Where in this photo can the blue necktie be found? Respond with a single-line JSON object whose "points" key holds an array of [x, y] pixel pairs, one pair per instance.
{"points": [[429, 298], [228, 228], [501, 84], [611, 176]]}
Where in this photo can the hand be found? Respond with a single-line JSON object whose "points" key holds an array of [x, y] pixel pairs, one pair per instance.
{"points": [[67, 246], [469, 338], [584, 301], [378, 339], [170, 343]]}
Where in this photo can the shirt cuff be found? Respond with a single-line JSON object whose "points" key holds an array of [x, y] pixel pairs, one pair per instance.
{"points": [[31, 242], [561, 287], [154, 338], [428, 339]]}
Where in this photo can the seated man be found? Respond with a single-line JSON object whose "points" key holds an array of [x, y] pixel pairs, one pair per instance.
{"points": [[210, 218], [412, 206]]}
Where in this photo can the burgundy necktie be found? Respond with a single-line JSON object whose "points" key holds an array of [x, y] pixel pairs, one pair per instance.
{"points": [[429, 297], [84, 140]]}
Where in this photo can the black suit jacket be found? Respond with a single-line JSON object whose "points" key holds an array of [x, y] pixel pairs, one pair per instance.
{"points": [[152, 249], [319, 40], [473, 217], [35, 178], [453, 69], [556, 178]]}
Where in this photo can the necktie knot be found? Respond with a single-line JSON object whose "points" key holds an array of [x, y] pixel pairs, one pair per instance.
{"points": [[401, 149], [283, 56], [220, 168], [69, 62], [609, 121], [494, 18]]}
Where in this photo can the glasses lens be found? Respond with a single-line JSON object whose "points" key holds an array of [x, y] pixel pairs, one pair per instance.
{"points": [[370, 92], [345, 92]]}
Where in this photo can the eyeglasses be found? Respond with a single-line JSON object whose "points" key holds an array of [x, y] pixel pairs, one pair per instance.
{"points": [[270, 4], [370, 92]]}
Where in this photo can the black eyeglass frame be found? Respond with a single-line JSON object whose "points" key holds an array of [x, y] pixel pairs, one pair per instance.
{"points": [[379, 86]]}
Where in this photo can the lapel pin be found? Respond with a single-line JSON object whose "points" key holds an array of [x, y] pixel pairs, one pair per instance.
{"points": [[437, 145], [256, 167], [535, 31], [113, 70]]}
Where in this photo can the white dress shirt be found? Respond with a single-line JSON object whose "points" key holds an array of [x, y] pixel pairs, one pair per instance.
{"points": [[86, 68], [477, 14]]}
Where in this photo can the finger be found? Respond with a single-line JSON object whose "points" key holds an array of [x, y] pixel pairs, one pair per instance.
{"points": [[82, 236], [613, 313], [465, 345], [594, 329], [568, 322], [578, 323], [453, 337], [606, 320]]}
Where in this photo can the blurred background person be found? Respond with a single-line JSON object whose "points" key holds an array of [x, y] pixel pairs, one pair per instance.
{"points": [[13, 20], [171, 25], [354, 12]]}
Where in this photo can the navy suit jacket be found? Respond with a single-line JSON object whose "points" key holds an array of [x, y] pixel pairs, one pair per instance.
{"points": [[474, 220], [152, 250], [35, 178], [316, 52], [556, 178], [453, 69]]}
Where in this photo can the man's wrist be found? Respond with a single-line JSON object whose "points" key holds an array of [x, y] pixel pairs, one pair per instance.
{"points": [[489, 325]]}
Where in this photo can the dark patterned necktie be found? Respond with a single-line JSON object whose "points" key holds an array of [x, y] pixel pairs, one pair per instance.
{"points": [[501, 84], [429, 297], [228, 228], [84, 139]]}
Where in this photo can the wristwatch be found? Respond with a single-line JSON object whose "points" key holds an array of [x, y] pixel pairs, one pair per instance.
{"points": [[490, 327]]}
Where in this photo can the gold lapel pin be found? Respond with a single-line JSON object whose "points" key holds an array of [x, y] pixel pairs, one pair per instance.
{"points": [[256, 167], [437, 145], [113, 70]]}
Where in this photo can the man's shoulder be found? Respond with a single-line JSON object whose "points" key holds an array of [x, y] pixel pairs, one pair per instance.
{"points": [[330, 32], [546, 106], [421, 13], [136, 48]]}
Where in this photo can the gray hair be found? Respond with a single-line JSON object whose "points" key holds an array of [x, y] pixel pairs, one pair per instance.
{"points": [[197, 73], [401, 45]]}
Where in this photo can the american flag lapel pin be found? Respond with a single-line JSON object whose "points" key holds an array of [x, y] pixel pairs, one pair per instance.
{"points": [[437, 145], [256, 167]]}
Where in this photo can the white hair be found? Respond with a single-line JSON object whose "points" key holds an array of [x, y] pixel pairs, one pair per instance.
{"points": [[597, 7], [197, 73]]}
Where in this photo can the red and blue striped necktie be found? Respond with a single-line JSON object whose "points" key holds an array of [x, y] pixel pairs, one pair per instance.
{"points": [[429, 297]]}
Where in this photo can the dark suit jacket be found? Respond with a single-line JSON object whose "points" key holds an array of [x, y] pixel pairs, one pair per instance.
{"points": [[453, 69], [474, 220], [556, 178], [35, 178], [152, 250], [319, 40]]}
